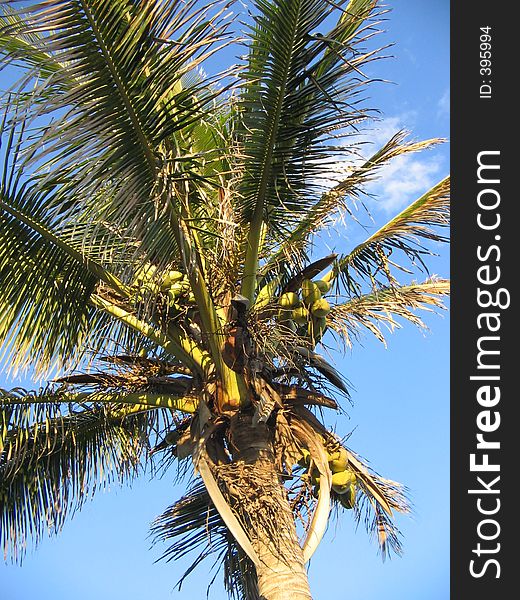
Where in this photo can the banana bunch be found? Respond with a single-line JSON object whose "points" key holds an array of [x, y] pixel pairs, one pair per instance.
{"points": [[305, 311], [343, 479]]}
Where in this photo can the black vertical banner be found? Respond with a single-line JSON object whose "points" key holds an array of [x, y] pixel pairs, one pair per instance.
{"points": [[484, 131]]}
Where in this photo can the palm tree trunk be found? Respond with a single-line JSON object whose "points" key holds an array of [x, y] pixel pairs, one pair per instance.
{"points": [[265, 508]]}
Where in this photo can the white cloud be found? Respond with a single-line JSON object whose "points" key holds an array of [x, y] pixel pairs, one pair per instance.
{"points": [[443, 105], [406, 177]]}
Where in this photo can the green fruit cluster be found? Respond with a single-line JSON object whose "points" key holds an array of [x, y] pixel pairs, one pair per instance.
{"points": [[174, 285], [344, 480], [305, 311], [177, 288]]}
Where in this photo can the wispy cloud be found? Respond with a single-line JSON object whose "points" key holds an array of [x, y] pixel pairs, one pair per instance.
{"points": [[406, 177], [404, 180], [443, 105]]}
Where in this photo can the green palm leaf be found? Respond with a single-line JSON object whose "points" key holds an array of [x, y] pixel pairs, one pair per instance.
{"points": [[129, 117], [53, 459], [406, 232], [337, 201], [297, 86]]}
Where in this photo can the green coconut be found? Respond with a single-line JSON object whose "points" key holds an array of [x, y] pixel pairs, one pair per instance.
{"points": [[145, 273], [300, 315], [348, 498], [150, 288], [179, 288], [320, 308], [175, 307], [289, 300], [173, 296], [342, 481], [316, 328], [338, 461], [324, 286], [310, 291], [170, 278]]}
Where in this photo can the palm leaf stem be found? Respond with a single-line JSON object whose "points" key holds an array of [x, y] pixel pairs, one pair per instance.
{"points": [[233, 383], [91, 265], [252, 248], [138, 401], [175, 343]]}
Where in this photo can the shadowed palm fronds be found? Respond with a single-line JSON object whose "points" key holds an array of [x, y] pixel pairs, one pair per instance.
{"points": [[52, 459]]}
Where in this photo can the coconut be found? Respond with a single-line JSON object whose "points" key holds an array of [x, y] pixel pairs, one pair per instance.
{"points": [[172, 297], [146, 272], [179, 288], [338, 461], [289, 300], [310, 291], [342, 481], [300, 315], [348, 498], [323, 286], [175, 307], [320, 308], [170, 278], [150, 288]]}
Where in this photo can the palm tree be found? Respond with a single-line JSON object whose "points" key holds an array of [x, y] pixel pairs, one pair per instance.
{"points": [[159, 269]]}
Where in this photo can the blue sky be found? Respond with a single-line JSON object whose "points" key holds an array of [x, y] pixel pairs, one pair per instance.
{"points": [[400, 418]]}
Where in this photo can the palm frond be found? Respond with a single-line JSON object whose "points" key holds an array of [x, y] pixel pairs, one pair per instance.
{"points": [[375, 503], [375, 499], [129, 118], [50, 269], [337, 201], [299, 86], [47, 288], [317, 362], [21, 47], [405, 233], [53, 458], [194, 525], [44, 301], [382, 306]]}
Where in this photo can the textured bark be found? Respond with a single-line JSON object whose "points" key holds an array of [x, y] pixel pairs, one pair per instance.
{"points": [[281, 574]]}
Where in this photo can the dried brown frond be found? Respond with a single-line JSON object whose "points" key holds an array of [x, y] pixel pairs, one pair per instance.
{"points": [[383, 307]]}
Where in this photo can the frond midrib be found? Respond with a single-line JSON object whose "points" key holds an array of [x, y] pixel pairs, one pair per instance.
{"points": [[132, 113], [253, 238]]}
